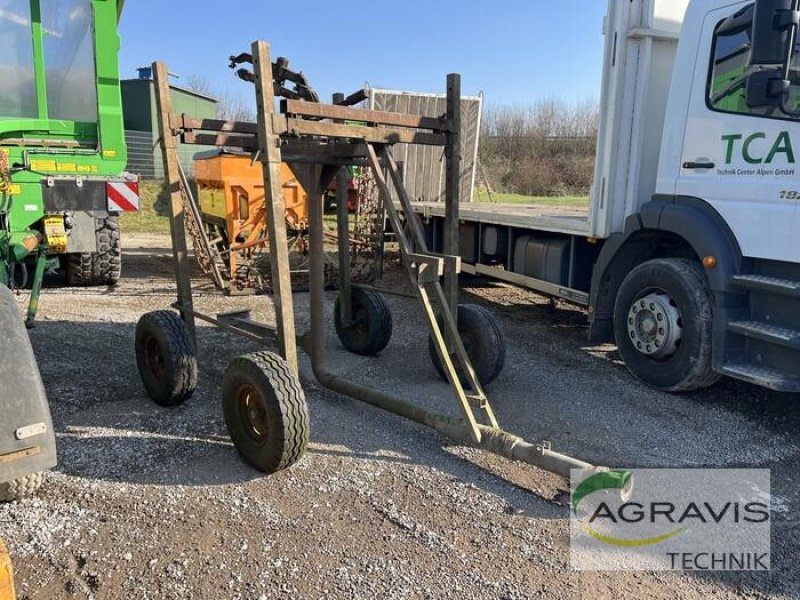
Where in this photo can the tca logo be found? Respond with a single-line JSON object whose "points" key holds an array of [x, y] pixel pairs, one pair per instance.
{"points": [[757, 149]]}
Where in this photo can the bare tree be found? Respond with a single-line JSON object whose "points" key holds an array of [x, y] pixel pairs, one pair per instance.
{"points": [[229, 108], [545, 148]]}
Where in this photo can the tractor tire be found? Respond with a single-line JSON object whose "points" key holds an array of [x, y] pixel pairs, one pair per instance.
{"points": [[483, 341], [371, 330], [265, 411], [103, 267], [663, 319], [166, 358], [22, 487]]}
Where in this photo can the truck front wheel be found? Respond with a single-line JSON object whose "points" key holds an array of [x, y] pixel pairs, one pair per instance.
{"points": [[663, 325], [103, 267]]}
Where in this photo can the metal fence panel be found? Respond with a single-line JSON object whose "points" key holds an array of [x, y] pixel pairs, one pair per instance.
{"points": [[423, 167], [144, 155]]}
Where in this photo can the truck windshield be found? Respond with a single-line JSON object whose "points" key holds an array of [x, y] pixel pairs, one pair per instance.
{"points": [[17, 77], [69, 59]]}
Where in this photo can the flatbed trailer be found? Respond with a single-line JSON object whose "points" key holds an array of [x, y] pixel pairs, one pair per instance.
{"points": [[490, 232]]}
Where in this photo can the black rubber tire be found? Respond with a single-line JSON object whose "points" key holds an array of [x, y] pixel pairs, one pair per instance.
{"points": [[690, 367], [20, 488], [279, 437], [103, 267], [372, 328], [166, 358], [484, 342]]}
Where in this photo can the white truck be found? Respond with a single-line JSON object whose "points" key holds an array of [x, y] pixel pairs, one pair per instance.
{"points": [[688, 255]]}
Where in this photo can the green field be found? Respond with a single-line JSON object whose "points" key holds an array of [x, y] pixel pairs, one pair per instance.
{"points": [[152, 216], [519, 199]]}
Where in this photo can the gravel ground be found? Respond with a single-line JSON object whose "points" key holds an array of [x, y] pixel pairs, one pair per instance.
{"points": [[155, 503]]}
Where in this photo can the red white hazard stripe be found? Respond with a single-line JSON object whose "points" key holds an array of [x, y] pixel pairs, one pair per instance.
{"points": [[123, 196]]}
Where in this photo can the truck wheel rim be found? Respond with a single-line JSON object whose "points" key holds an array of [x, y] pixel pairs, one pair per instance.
{"points": [[655, 325], [154, 357], [251, 407]]}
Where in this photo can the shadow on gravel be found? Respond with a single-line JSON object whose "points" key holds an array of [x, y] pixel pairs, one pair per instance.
{"points": [[566, 326], [107, 427]]}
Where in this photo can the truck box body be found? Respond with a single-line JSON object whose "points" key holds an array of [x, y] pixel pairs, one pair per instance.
{"points": [[641, 40]]}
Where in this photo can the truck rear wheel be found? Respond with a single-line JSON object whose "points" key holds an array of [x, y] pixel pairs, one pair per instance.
{"points": [[663, 325], [165, 357], [103, 267], [20, 488], [482, 340], [265, 411], [371, 329]]}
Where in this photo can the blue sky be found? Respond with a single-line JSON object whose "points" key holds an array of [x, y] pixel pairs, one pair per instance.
{"points": [[515, 51]]}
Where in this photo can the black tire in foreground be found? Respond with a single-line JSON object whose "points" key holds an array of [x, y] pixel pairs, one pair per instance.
{"points": [[371, 329], [663, 325], [265, 411], [166, 358], [103, 267], [483, 340], [20, 488]]}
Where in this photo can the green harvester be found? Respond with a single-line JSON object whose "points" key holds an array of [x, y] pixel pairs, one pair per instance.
{"points": [[62, 143], [62, 186]]}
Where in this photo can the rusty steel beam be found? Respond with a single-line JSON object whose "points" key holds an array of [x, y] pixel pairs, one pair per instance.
{"points": [[184, 121], [372, 117], [270, 153], [375, 135], [177, 217]]}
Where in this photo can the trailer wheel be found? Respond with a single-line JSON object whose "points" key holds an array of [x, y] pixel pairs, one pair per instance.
{"points": [[483, 340], [103, 267], [371, 329], [165, 357], [265, 411], [22, 487], [663, 325]]}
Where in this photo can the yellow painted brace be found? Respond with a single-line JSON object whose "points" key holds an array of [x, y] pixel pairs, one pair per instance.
{"points": [[7, 591]]}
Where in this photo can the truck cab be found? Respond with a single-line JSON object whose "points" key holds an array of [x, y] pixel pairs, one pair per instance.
{"points": [[701, 277], [62, 140]]}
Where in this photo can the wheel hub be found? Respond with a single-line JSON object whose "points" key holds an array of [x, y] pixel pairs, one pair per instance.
{"points": [[655, 326], [252, 406], [154, 357]]}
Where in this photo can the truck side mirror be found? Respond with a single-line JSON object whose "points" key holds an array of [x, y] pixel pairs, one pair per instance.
{"points": [[766, 88], [774, 32]]}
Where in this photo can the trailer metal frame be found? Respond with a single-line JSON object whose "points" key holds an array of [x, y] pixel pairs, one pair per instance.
{"points": [[318, 140]]}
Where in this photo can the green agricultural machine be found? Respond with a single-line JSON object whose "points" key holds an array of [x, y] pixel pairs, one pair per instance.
{"points": [[62, 186]]}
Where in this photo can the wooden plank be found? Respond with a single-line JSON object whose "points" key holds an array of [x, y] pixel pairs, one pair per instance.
{"points": [[374, 135], [169, 148], [353, 98], [453, 186], [276, 210], [246, 142], [186, 122], [345, 113]]}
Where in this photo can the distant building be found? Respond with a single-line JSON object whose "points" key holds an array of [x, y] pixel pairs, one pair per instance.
{"points": [[141, 124]]}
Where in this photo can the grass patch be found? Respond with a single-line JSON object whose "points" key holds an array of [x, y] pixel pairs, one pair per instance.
{"points": [[152, 216], [541, 200]]}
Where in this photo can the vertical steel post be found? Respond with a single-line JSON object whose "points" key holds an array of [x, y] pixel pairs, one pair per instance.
{"points": [[452, 187], [177, 218], [36, 288], [269, 144], [343, 235]]}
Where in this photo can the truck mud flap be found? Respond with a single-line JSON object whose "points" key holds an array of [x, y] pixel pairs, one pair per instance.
{"points": [[27, 440]]}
